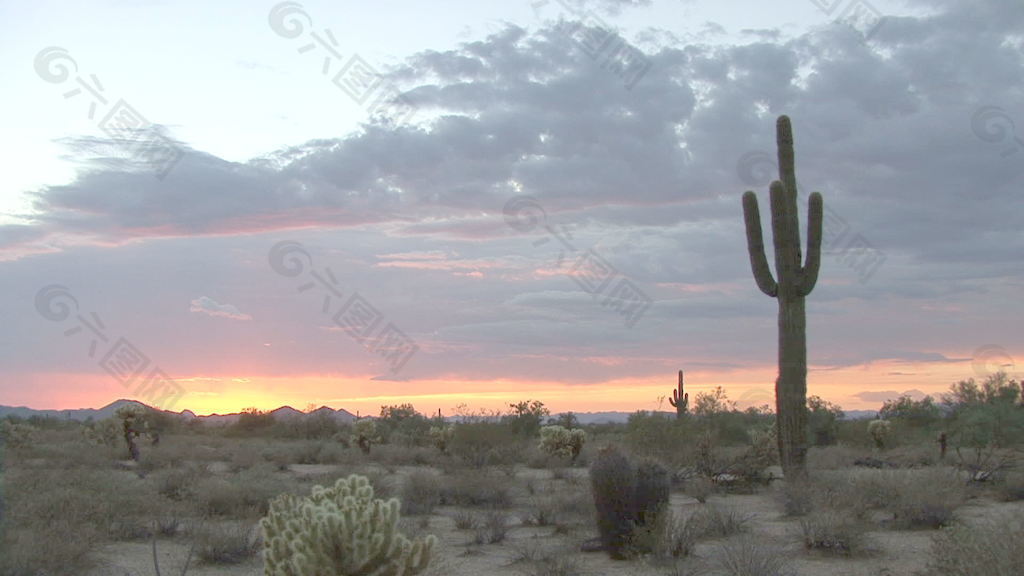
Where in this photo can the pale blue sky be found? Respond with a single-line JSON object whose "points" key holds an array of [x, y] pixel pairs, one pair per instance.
{"points": [[218, 77]]}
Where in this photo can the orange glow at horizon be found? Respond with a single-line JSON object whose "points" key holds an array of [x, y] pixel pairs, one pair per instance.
{"points": [[748, 387]]}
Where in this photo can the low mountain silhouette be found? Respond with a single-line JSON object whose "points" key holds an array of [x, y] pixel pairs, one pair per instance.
{"points": [[283, 413]]}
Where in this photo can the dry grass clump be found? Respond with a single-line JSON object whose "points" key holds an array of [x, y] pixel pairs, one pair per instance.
{"points": [[746, 557], [838, 533], [542, 511], [493, 528], [669, 536], [464, 519], [991, 548], [720, 521], [231, 543]]}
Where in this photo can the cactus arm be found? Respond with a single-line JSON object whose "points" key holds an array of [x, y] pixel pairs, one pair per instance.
{"points": [[755, 246], [787, 158], [809, 274]]}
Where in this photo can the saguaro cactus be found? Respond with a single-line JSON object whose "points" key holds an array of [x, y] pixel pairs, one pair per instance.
{"points": [[795, 280], [679, 399]]}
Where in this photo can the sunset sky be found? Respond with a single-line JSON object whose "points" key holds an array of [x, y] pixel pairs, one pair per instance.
{"points": [[479, 202]]}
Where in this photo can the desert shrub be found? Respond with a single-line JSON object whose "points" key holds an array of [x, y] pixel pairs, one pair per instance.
{"points": [[74, 511], [244, 457], [1010, 486], [524, 418], [746, 557], [421, 491], [761, 453], [699, 488], [991, 548], [481, 443], [476, 491], [664, 438], [833, 532], [252, 421], [651, 491], [925, 498], [918, 498], [562, 442], [245, 495], [914, 455], [106, 432], [179, 484], [822, 421], [231, 543], [835, 457], [18, 436], [62, 514]]}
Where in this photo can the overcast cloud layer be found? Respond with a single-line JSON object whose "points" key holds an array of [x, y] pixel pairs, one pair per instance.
{"points": [[462, 228]]}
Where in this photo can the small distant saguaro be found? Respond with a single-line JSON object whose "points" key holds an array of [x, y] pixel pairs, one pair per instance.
{"points": [[680, 400]]}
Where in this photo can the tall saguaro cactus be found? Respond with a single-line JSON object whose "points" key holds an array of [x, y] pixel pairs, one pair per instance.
{"points": [[680, 400], [795, 280]]}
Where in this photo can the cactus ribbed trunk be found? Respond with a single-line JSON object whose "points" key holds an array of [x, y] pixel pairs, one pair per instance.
{"points": [[796, 279]]}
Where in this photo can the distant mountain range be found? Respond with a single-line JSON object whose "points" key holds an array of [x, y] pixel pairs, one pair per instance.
{"points": [[287, 413], [83, 414]]}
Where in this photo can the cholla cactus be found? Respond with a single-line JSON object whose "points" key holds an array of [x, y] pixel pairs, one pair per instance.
{"points": [[106, 432], [558, 441], [364, 434], [17, 436], [441, 436], [880, 431], [340, 531]]}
